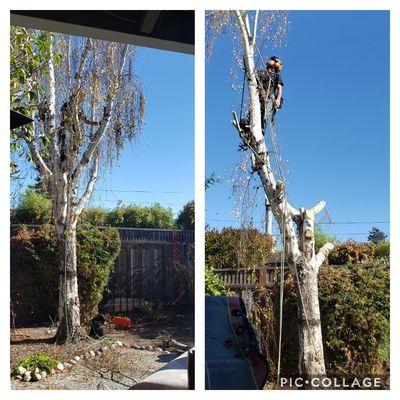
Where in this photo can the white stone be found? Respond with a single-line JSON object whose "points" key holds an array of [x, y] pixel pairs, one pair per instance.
{"points": [[37, 377], [148, 347], [67, 365], [104, 349], [137, 347], [92, 353], [52, 371], [60, 367], [159, 349], [77, 358], [119, 343], [18, 377], [36, 371], [21, 370], [72, 361], [167, 352], [44, 374], [27, 376]]}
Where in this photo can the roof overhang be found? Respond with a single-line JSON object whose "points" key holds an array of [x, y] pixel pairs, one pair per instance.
{"points": [[171, 30]]}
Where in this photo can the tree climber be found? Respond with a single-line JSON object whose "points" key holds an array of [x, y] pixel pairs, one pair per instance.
{"points": [[270, 90]]}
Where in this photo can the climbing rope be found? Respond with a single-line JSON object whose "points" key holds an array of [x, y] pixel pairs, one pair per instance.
{"points": [[283, 230]]}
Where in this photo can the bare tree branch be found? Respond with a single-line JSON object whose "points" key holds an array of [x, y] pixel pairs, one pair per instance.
{"points": [[323, 254], [90, 186], [253, 40], [39, 162]]}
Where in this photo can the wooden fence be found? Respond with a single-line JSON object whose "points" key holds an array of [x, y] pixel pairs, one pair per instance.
{"points": [[155, 266], [241, 280]]}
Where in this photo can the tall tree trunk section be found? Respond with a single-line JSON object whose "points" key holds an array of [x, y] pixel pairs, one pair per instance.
{"points": [[68, 308], [296, 225], [311, 352]]}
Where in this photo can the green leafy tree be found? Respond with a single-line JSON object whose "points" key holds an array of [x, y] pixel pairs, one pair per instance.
{"points": [[94, 216], [376, 235], [33, 208], [237, 248], [29, 56], [322, 238], [134, 216], [186, 217]]}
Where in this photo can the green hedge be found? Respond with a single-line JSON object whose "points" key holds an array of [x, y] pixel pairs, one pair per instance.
{"points": [[237, 248], [354, 304], [34, 271]]}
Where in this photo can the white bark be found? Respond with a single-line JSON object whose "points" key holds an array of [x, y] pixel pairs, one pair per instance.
{"points": [[296, 226], [65, 168]]}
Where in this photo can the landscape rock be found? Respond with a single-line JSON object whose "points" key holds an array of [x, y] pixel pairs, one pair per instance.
{"points": [[72, 361], [36, 371], [21, 370], [52, 371], [104, 349], [44, 374], [167, 352], [77, 358], [119, 343], [137, 347], [60, 367], [92, 353], [27, 376], [148, 347], [36, 377], [159, 349], [18, 377]]}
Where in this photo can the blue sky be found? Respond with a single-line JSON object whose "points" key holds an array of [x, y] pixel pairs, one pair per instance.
{"points": [[160, 167], [162, 162], [336, 74]]}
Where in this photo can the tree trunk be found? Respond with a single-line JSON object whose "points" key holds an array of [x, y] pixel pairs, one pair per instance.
{"points": [[299, 244], [68, 308], [311, 352]]}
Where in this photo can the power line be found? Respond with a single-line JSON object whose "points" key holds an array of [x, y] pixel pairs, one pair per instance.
{"points": [[318, 223], [139, 191]]}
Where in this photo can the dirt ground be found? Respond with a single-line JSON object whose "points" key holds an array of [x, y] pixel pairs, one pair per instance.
{"points": [[116, 368]]}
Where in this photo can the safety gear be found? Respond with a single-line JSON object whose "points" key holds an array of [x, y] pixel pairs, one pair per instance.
{"points": [[278, 66], [277, 63]]}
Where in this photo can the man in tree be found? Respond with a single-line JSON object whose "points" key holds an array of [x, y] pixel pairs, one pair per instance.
{"points": [[271, 85]]}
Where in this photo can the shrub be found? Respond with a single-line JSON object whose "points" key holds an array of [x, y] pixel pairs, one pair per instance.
{"points": [[354, 304], [156, 217], [186, 216], [214, 286], [355, 310], [97, 251], [351, 252], [33, 208], [34, 271], [94, 216], [382, 251], [237, 248], [42, 361]]}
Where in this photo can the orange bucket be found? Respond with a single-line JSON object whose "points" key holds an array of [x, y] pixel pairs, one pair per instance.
{"points": [[124, 322]]}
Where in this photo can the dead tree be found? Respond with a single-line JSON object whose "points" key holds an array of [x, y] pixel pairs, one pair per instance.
{"points": [[296, 225], [92, 105]]}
